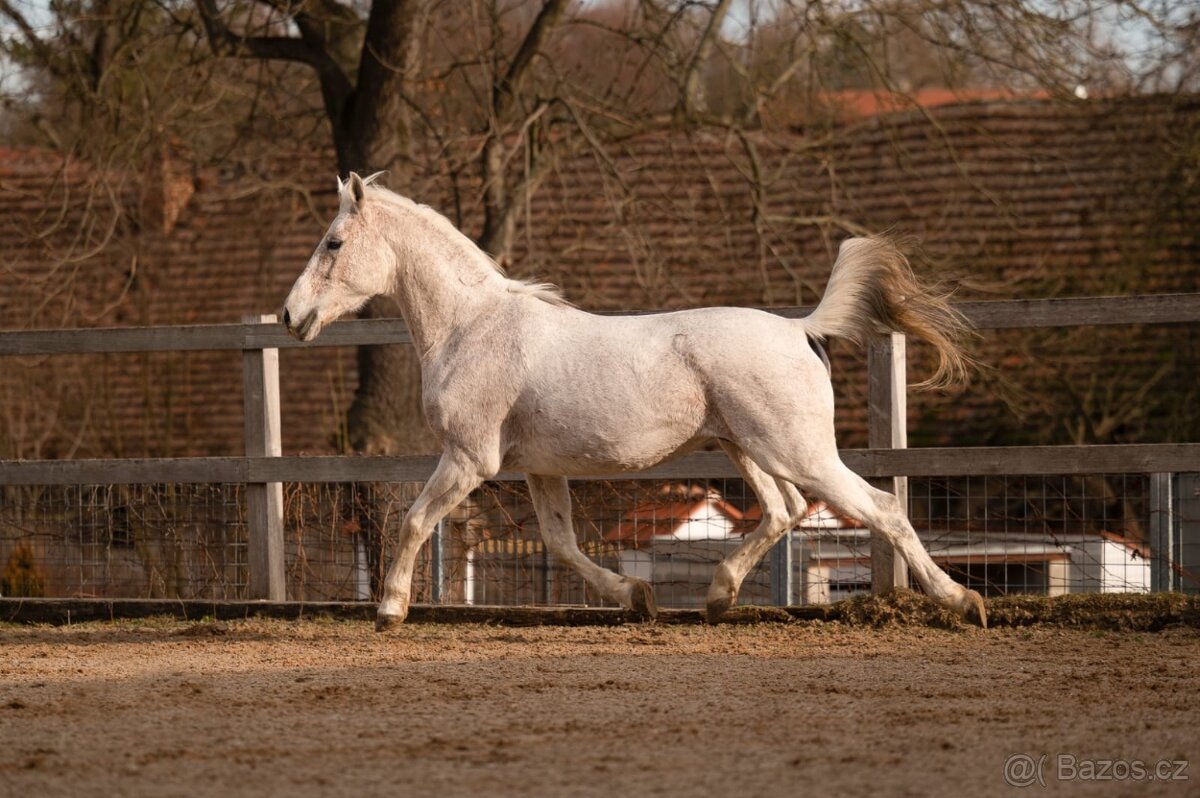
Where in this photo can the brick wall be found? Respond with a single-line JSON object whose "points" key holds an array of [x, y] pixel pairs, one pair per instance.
{"points": [[1014, 199]]}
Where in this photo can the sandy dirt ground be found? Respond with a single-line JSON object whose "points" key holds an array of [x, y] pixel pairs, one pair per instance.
{"points": [[158, 708]]}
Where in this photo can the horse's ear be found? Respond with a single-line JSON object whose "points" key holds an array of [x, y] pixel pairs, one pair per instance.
{"points": [[341, 185], [358, 189]]}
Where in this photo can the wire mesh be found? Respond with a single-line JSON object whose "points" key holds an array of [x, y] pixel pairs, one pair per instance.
{"points": [[999, 535], [670, 534], [1003, 535], [1049, 534], [115, 541]]}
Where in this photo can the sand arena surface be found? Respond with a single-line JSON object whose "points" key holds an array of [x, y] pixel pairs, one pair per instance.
{"points": [[330, 708]]}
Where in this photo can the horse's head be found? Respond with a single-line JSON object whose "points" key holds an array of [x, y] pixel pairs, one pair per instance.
{"points": [[352, 264]]}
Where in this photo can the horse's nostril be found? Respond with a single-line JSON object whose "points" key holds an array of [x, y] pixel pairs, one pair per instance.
{"points": [[287, 318]]}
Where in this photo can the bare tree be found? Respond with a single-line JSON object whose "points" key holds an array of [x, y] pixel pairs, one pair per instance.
{"points": [[375, 110]]}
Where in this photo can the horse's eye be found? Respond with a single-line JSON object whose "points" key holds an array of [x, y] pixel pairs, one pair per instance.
{"points": [[333, 245]]}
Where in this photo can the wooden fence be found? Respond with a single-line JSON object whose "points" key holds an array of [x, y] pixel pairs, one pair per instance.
{"points": [[263, 470]]}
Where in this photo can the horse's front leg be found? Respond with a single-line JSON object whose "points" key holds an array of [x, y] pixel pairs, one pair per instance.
{"points": [[452, 481]]}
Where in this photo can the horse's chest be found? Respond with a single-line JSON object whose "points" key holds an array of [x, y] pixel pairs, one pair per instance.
{"points": [[478, 395]]}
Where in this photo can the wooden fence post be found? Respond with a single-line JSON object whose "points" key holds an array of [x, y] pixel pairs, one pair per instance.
{"points": [[264, 500], [887, 386]]}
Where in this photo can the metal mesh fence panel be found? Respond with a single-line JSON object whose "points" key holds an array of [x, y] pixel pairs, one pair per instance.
{"points": [[1048, 535], [671, 534], [1187, 558], [1002, 535], [999, 535], [117, 541]]}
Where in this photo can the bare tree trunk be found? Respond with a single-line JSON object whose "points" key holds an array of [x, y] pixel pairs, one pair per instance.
{"points": [[374, 133]]}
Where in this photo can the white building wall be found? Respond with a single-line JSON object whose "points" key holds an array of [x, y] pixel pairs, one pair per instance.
{"points": [[1104, 566], [705, 523]]}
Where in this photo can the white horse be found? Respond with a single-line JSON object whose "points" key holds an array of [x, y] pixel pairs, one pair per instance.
{"points": [[516, 378]]}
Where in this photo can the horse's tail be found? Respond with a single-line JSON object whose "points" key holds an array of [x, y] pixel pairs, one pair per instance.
{"points": [[872, 291]]}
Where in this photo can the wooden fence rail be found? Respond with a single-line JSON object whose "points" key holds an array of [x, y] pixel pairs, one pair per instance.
{"points": [[993, 315], [1142, 458], [263, 470]]}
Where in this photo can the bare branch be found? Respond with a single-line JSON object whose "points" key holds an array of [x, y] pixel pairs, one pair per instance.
{"points": [[691, 74], [507, 88], [35, 42], [335, 86], [499, 208]]}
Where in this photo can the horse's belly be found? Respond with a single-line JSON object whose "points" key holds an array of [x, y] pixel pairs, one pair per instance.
{"points": [[610, 444], [613, 406], [593, 461]]}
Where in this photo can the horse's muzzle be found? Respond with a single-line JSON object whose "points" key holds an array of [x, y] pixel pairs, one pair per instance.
{"points": [[304, 330], [307, 328]]}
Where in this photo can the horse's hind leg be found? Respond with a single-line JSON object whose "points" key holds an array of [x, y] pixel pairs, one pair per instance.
{"points": [[552, 502], [881, 511], [782, 508]]}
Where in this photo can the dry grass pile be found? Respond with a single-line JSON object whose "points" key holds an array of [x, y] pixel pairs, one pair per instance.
{"points": [[1132, 612]]}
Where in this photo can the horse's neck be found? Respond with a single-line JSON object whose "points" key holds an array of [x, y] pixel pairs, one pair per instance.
{"points": [[443, 282]]}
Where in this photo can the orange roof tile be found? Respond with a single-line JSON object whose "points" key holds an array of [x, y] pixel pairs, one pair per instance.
{"points": [[863, 103], [663, 519]]}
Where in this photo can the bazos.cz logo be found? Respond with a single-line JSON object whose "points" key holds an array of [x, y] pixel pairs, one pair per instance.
{"points": [[1023, 770]]}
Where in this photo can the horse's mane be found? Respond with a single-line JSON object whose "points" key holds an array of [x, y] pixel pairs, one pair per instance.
{"points": [[547, 292]]}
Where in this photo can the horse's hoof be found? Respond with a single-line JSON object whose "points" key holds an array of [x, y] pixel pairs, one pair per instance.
{"points": [[972, 609], [641, 601], [716, 608], [385, 622]]}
